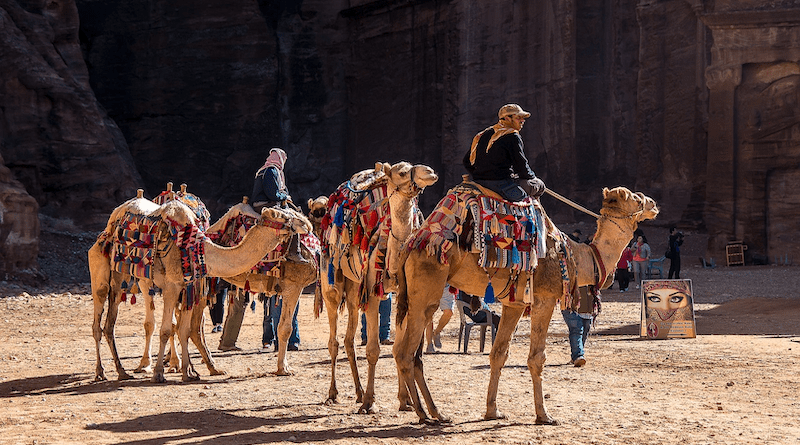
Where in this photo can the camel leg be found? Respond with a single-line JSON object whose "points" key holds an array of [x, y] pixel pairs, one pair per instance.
{"points": [[373, 352], [498, 356], [170, 297], [541, 313], [99, 297], [332, 307], [408, 357], [111, 321], [184, 328], [149, 327], [406, 404], [199, 339], [288, 308], [419, 374], [171, 360], [351, 295]]}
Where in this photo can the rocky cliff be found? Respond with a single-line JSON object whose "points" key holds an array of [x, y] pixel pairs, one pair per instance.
{"points": [[103, 96]]}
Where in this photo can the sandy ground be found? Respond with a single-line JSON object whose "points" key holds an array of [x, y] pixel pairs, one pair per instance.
{"points": [[736, 383]]}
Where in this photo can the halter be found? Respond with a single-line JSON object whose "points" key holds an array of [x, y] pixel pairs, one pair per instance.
{"points": [[596, 253], [415, 191]]}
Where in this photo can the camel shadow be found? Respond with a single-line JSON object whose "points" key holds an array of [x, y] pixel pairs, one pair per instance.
{"points": [[219, 426], [80, 384]]}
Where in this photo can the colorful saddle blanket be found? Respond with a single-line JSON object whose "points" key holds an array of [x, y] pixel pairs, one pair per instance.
{"points": [[192, 201], [132, 248], [236, 228], [358, 215], [506, 235]]}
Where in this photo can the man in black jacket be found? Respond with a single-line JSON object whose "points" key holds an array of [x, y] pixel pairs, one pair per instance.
{"points": [[497, 161], [675, 242]]}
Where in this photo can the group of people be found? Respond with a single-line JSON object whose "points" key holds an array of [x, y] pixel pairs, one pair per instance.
{"points": [[495, 160], [635, 259]]}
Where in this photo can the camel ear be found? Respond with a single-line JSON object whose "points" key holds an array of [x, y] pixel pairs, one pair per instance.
{"points": [[378, 167], [387, 168], [605, 192], [310, 201]]}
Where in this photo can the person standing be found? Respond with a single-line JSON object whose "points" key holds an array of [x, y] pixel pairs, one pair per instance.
{"points": [[578, 315], [384, 322], [233, 321], [623, 268], [496, 159], [641, 255], [675, 243], [217, 310], [272, 316]]}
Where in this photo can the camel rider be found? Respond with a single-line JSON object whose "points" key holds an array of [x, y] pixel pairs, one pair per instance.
{"points": [[496, 159], [269, 190]]}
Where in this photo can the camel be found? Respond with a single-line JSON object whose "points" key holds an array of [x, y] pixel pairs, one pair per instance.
{"points": [[274, 227], [423, 277], [294, 277], [316, 211], [353, 279]]}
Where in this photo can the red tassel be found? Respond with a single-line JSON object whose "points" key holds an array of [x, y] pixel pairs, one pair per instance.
{"points": [[453, 290], [247, 286], [527, 312], [358, 236], [364, 243], [123, 298], [512, 294], [133, 299]]}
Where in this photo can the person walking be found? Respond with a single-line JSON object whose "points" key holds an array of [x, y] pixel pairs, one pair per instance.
{"points": [[674, 253], [269, 328], [217, 310], [641, 255], [578, 315]]}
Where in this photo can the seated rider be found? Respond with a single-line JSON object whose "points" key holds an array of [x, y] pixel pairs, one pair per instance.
{"points": [[497, 160], [269, 190]]}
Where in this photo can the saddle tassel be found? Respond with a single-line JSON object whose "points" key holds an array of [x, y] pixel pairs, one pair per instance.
{"points": [[515, 253], [331, 279], [488, 296]]}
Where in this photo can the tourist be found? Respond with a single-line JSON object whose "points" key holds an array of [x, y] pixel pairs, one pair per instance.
{"points": [[674, 252], [578, 315], [446, 305], [384, 322], [641, 256]]}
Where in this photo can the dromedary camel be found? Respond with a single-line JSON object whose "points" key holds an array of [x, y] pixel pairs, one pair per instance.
{"points": [[293, 277], [425, 277], [368, 219], [167, 271]]}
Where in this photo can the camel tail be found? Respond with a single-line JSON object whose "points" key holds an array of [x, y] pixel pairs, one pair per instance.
{"points": [[402, 293], [318, 300]]}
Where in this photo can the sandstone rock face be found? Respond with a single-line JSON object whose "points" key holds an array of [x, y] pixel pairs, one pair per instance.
{"points": [[688, 101], [19, 228], [54, 135]]}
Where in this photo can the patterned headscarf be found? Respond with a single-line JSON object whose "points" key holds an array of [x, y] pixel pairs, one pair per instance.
{"points": [[276, 158]]}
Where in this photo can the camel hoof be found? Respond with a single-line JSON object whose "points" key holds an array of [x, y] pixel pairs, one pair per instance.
{"points": [[100, 378], [159, 378], [143, 369], [407, 407], [428, 421], [124, 376], [443, 420], [217, 372], [546, 421], [190, 378], [367, 409], [331, 401], [282, 373], [497, 415]]}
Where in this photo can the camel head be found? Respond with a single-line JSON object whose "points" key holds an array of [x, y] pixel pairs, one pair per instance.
{"points": [[621, 202], [292, 221], [317, 208], [411, 180]]}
